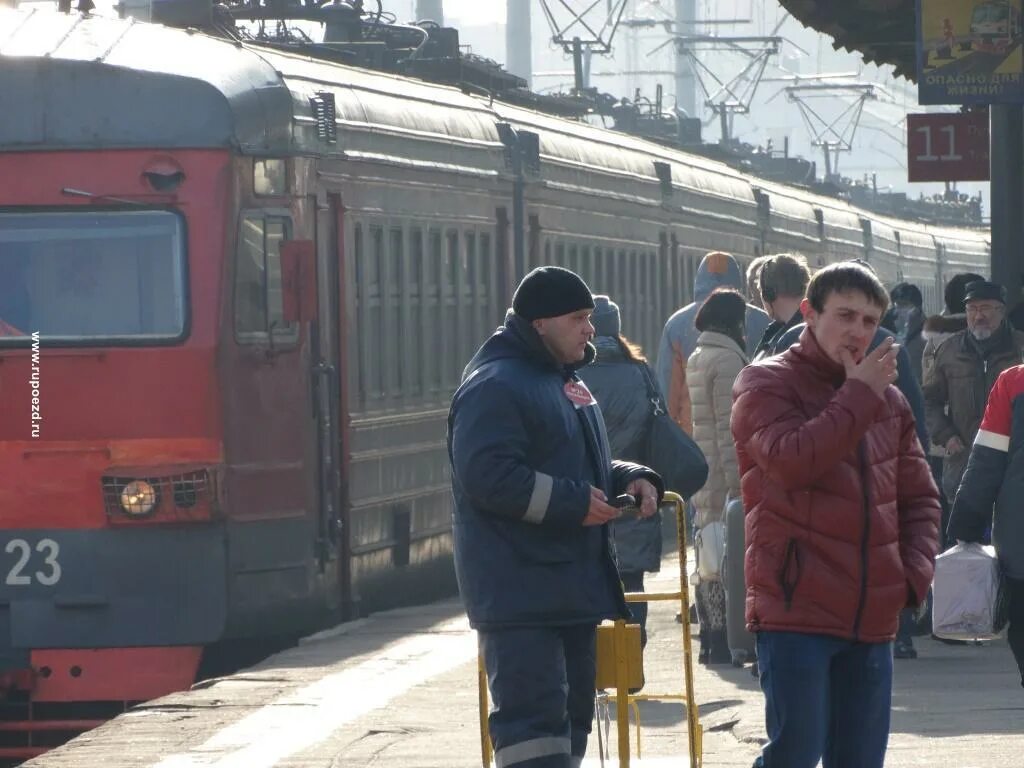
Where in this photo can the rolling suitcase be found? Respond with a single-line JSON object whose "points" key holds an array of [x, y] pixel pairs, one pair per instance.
{"points": [[741, 642]]}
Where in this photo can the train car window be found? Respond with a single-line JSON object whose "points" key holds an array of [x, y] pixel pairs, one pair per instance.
{"points": [[489, 300], [259, 302], [634, 292], [93, 277], [534, 255], [270, 177], [501, 227], [598, 267], [453, 332], [651, 300], [473, 296], [434, 327], [396, 311], [587, 265], [418, 309], [371, 304], [361, 348]]}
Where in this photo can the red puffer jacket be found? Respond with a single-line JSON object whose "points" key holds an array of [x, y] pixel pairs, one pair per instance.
{"points": [[842, 512]]}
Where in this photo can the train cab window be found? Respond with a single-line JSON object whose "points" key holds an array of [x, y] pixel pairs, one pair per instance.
{"points": [[93, 277], [270, 177], [259, 301]]}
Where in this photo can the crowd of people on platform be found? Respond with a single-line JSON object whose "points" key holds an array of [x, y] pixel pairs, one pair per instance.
{"points": [[862, 436]]}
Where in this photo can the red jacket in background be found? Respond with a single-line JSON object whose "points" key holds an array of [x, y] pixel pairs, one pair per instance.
{"points": [[842, 513]]}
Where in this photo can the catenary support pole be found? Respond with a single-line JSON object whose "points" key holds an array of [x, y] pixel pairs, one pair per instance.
{"points": [[1007, 198]]}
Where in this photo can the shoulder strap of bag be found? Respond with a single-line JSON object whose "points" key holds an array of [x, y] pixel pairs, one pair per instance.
{"points": [[652, 391]]}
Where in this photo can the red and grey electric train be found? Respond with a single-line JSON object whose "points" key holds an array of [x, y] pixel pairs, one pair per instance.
{"points": [[237, 290]]}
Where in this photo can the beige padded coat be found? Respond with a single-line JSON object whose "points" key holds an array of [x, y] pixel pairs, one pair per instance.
{"points": [[710, 372]]}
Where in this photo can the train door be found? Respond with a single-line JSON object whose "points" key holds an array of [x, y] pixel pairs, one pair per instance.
{"points": [[268, 428], [329, 404]]}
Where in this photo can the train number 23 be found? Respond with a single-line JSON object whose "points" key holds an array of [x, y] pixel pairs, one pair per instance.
{"points": [[44, 568]]}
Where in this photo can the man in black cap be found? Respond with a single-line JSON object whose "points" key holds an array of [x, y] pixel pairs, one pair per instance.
{"points": [[966, 365], [532, 475]]}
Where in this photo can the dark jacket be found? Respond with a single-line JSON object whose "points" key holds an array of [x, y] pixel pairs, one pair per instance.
{"points": [[995, 476], [621, 391], [523, 460], [937, 328], [956, 388], [907, 327], [842, 513], [905, 381], [772, 341]]}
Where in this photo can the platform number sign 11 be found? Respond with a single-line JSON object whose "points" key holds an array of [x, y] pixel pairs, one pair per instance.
{"points": [[948, 147]]}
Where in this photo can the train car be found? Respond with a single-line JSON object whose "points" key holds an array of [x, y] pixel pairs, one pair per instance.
{"points": [[919, 255], [239, 287]]}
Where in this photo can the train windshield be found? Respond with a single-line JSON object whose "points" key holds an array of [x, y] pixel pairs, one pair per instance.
{"points": [[92, 277], [989, 13]]}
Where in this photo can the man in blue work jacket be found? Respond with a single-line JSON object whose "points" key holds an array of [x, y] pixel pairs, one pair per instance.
{"points": [[532, 476]]}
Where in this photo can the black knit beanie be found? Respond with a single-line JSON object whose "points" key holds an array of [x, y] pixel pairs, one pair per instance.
{"points": [[551, 292]]}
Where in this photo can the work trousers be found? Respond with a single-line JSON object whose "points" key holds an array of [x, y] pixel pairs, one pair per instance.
{"points": [[541, 681]]}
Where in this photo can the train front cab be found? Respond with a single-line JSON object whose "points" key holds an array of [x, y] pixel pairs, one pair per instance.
{"points": [[112, 568], [160, 447]]}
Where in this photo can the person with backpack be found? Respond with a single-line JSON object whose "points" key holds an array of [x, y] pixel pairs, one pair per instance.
{"points": [[623, 385]]}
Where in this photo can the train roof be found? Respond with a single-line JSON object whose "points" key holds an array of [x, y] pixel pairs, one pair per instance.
{"points": [[130, 84]]}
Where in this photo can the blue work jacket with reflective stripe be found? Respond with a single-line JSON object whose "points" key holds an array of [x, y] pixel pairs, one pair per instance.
{"points": [[523, 458]]}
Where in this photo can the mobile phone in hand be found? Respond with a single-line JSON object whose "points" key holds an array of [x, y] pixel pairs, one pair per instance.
{"points": [[628, 505]]}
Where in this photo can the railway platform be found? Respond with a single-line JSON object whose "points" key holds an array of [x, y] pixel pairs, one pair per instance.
{"points": [[398, 690]]}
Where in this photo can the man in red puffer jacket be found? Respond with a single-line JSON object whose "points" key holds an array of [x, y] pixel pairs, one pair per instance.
{"points": [[842, 525]]}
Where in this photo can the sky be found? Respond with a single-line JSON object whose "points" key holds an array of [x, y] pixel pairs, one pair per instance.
{"points": [[468, 12]]}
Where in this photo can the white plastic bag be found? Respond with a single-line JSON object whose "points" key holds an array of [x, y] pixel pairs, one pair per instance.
{"points": [[968, 602], [709, 544]]}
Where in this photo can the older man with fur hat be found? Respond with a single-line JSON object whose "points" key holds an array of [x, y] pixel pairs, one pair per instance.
{"points": [[532, 476], [961, 374]]}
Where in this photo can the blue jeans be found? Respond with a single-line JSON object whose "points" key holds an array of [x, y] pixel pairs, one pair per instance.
{"points": [[825, 699]]}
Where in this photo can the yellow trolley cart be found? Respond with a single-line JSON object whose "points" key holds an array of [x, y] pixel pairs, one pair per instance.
{"points": [[620, 666]]}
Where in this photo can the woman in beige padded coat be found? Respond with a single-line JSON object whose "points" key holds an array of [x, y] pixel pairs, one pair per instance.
{"points": [[710, 372]]}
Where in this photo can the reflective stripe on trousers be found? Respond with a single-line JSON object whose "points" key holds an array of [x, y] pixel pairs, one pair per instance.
{"points": [[514, 754]]}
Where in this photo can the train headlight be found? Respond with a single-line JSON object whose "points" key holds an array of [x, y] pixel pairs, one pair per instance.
{"points": [[138, 498]]}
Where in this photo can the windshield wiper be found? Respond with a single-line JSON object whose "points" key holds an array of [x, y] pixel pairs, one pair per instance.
{"points": [[82, 193]]}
